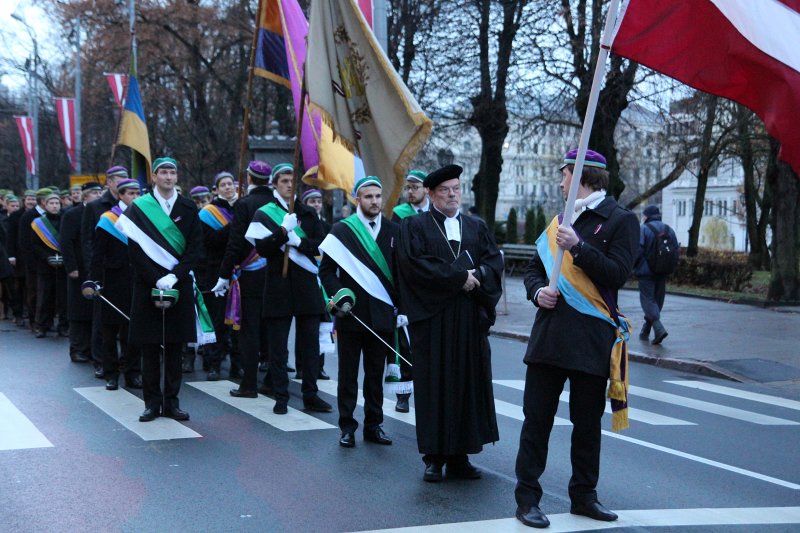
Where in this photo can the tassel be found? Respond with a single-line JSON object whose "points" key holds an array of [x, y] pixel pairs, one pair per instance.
{"points": [[616, 390], [392, 373], [619, 420]]}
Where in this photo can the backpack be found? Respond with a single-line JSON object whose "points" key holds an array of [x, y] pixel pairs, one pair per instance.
{"points": [[662, 257]]}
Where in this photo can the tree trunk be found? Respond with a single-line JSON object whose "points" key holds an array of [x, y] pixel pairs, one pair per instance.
{"points": [[706, 160], [785, 283], [744, 131], [486, 183]]}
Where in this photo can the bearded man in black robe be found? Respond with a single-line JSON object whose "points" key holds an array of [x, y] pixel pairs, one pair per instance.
{"points": [[449, 272]]}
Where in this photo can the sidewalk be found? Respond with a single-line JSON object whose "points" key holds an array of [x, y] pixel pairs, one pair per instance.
{"points": [[738, 342]]}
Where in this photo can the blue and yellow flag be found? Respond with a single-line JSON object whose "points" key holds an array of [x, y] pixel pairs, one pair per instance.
{"points": [[133, 133], [271, 62]]}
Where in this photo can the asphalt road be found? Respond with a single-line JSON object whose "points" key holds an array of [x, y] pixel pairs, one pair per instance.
{"points": [[698, 459]]}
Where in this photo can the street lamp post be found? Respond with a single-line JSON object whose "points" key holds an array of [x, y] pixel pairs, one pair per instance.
{"points": [[78, 96], [34, 99]]}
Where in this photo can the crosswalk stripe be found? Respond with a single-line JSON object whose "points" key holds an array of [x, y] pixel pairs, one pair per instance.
{"points": [[502, 408], [635, 519], [17, 432], [639, 415], [736, 393], [125, 408], [260, 408], [713, 408]]}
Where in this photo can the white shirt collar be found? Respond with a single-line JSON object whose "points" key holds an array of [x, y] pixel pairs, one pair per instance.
{"points": [[280, 199], [452, 226], [122, 205], [166, 203], [590, 202], [377, 220], [40, 209], [425, 207]]}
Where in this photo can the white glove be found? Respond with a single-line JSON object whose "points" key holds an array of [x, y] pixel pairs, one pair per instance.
{"points": [[402, 320], [289, 222], [167, 282], [221, 287], [294, 240]]}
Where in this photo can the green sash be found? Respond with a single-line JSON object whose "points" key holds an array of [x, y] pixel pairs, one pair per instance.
{"points": [[155, 214], [405, 210], [369, 244], [276, 214]]}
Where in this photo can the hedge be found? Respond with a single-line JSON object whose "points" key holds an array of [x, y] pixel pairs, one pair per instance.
{"points": [[728, 271]]}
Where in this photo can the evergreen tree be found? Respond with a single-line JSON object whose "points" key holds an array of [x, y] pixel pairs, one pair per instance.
{"points": [[530, 226], [541, 221], [511, 227]]}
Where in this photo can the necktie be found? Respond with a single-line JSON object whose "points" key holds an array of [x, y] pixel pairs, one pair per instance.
{"points": [[372, 224], [167, 205], [419, 210]]}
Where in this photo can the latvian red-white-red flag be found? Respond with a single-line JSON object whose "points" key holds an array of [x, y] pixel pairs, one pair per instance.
{"points": [[118, 82], [744, 50], [25, 127], [65, 108]]}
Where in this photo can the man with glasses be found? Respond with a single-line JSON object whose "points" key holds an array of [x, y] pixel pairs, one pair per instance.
{"points": [[417, 197]]}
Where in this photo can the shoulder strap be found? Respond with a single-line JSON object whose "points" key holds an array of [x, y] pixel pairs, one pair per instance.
{"points": [[155, 214]]}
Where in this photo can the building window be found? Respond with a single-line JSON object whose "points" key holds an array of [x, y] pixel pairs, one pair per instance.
{"points": [[520, 170]]}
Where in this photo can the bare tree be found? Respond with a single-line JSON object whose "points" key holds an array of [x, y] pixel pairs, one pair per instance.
{"points": [[785, 282]]}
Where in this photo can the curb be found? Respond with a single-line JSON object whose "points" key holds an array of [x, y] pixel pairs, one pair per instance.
{"points": [[704, 368]]}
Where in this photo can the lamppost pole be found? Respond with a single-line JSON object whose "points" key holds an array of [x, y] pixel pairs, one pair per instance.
{"points": [[78, 96]]}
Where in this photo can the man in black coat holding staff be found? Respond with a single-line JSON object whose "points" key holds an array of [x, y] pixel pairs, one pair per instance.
{"points": [[449, 269]]}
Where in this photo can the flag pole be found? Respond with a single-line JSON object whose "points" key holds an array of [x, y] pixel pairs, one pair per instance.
{"points": [[296, 167], [246, 116], [588, 122]]}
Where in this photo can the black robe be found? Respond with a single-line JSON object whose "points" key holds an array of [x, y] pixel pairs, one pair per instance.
{"points": [[452, 360]]}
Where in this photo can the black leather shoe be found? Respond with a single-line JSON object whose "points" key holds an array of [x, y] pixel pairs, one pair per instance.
{"points": [[149, 415], [463, 471], [63, 332], [317, 405], [348, 440], [239, 393], [377, 436], [176, 414], [433, 473], [266, 391], [112, 384], [79, 358], [133, 382], [98, 372], [593, 510], [532, 517], [323, 375], [213, 375], [187, 366], [402, 403], [280, 408], [39, 334]]}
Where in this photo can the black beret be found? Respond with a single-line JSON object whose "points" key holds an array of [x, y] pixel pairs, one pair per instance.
{"points": [[447, 172], [91, 186]]}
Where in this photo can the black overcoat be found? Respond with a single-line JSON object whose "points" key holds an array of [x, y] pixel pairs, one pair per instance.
{"points": [[562, 336], [215, 242], [111, 267], [25, 239], [377, 314], [299, 293], [90, 218], [146, 319], [78, 307], [12, 244]]}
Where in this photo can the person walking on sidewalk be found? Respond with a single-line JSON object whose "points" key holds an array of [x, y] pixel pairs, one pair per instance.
{"points": [[653, 265], [573, 338]]}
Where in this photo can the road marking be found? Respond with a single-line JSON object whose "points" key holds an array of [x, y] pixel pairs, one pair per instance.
{"points": [[125, 408], [639, 415], [565, 522], [17, 432], [261, 407], [502, 408], [736, 393], [709, 462], [722, 410]]}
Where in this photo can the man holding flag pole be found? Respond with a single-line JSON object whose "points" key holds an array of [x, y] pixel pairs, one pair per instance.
{"points": [[577, 291]]}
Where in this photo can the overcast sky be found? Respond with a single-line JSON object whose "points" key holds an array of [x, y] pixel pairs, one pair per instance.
{"points": [[15, 43]]}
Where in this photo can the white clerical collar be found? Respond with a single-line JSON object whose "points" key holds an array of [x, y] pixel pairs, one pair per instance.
{"points": [[166, 203], [424, 208], [374, 225], [452, 226], [40, 209], [280, 199]]}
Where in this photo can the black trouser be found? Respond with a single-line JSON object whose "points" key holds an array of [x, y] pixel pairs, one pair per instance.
{"points": [[151, 375], [80, 337], [250, 341], [31, 278], [306, 344], [651, 297], [127, 360], [16, 296], [351, 344], [214, 353], [97, 331], [543, 386], [51, 300]]}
